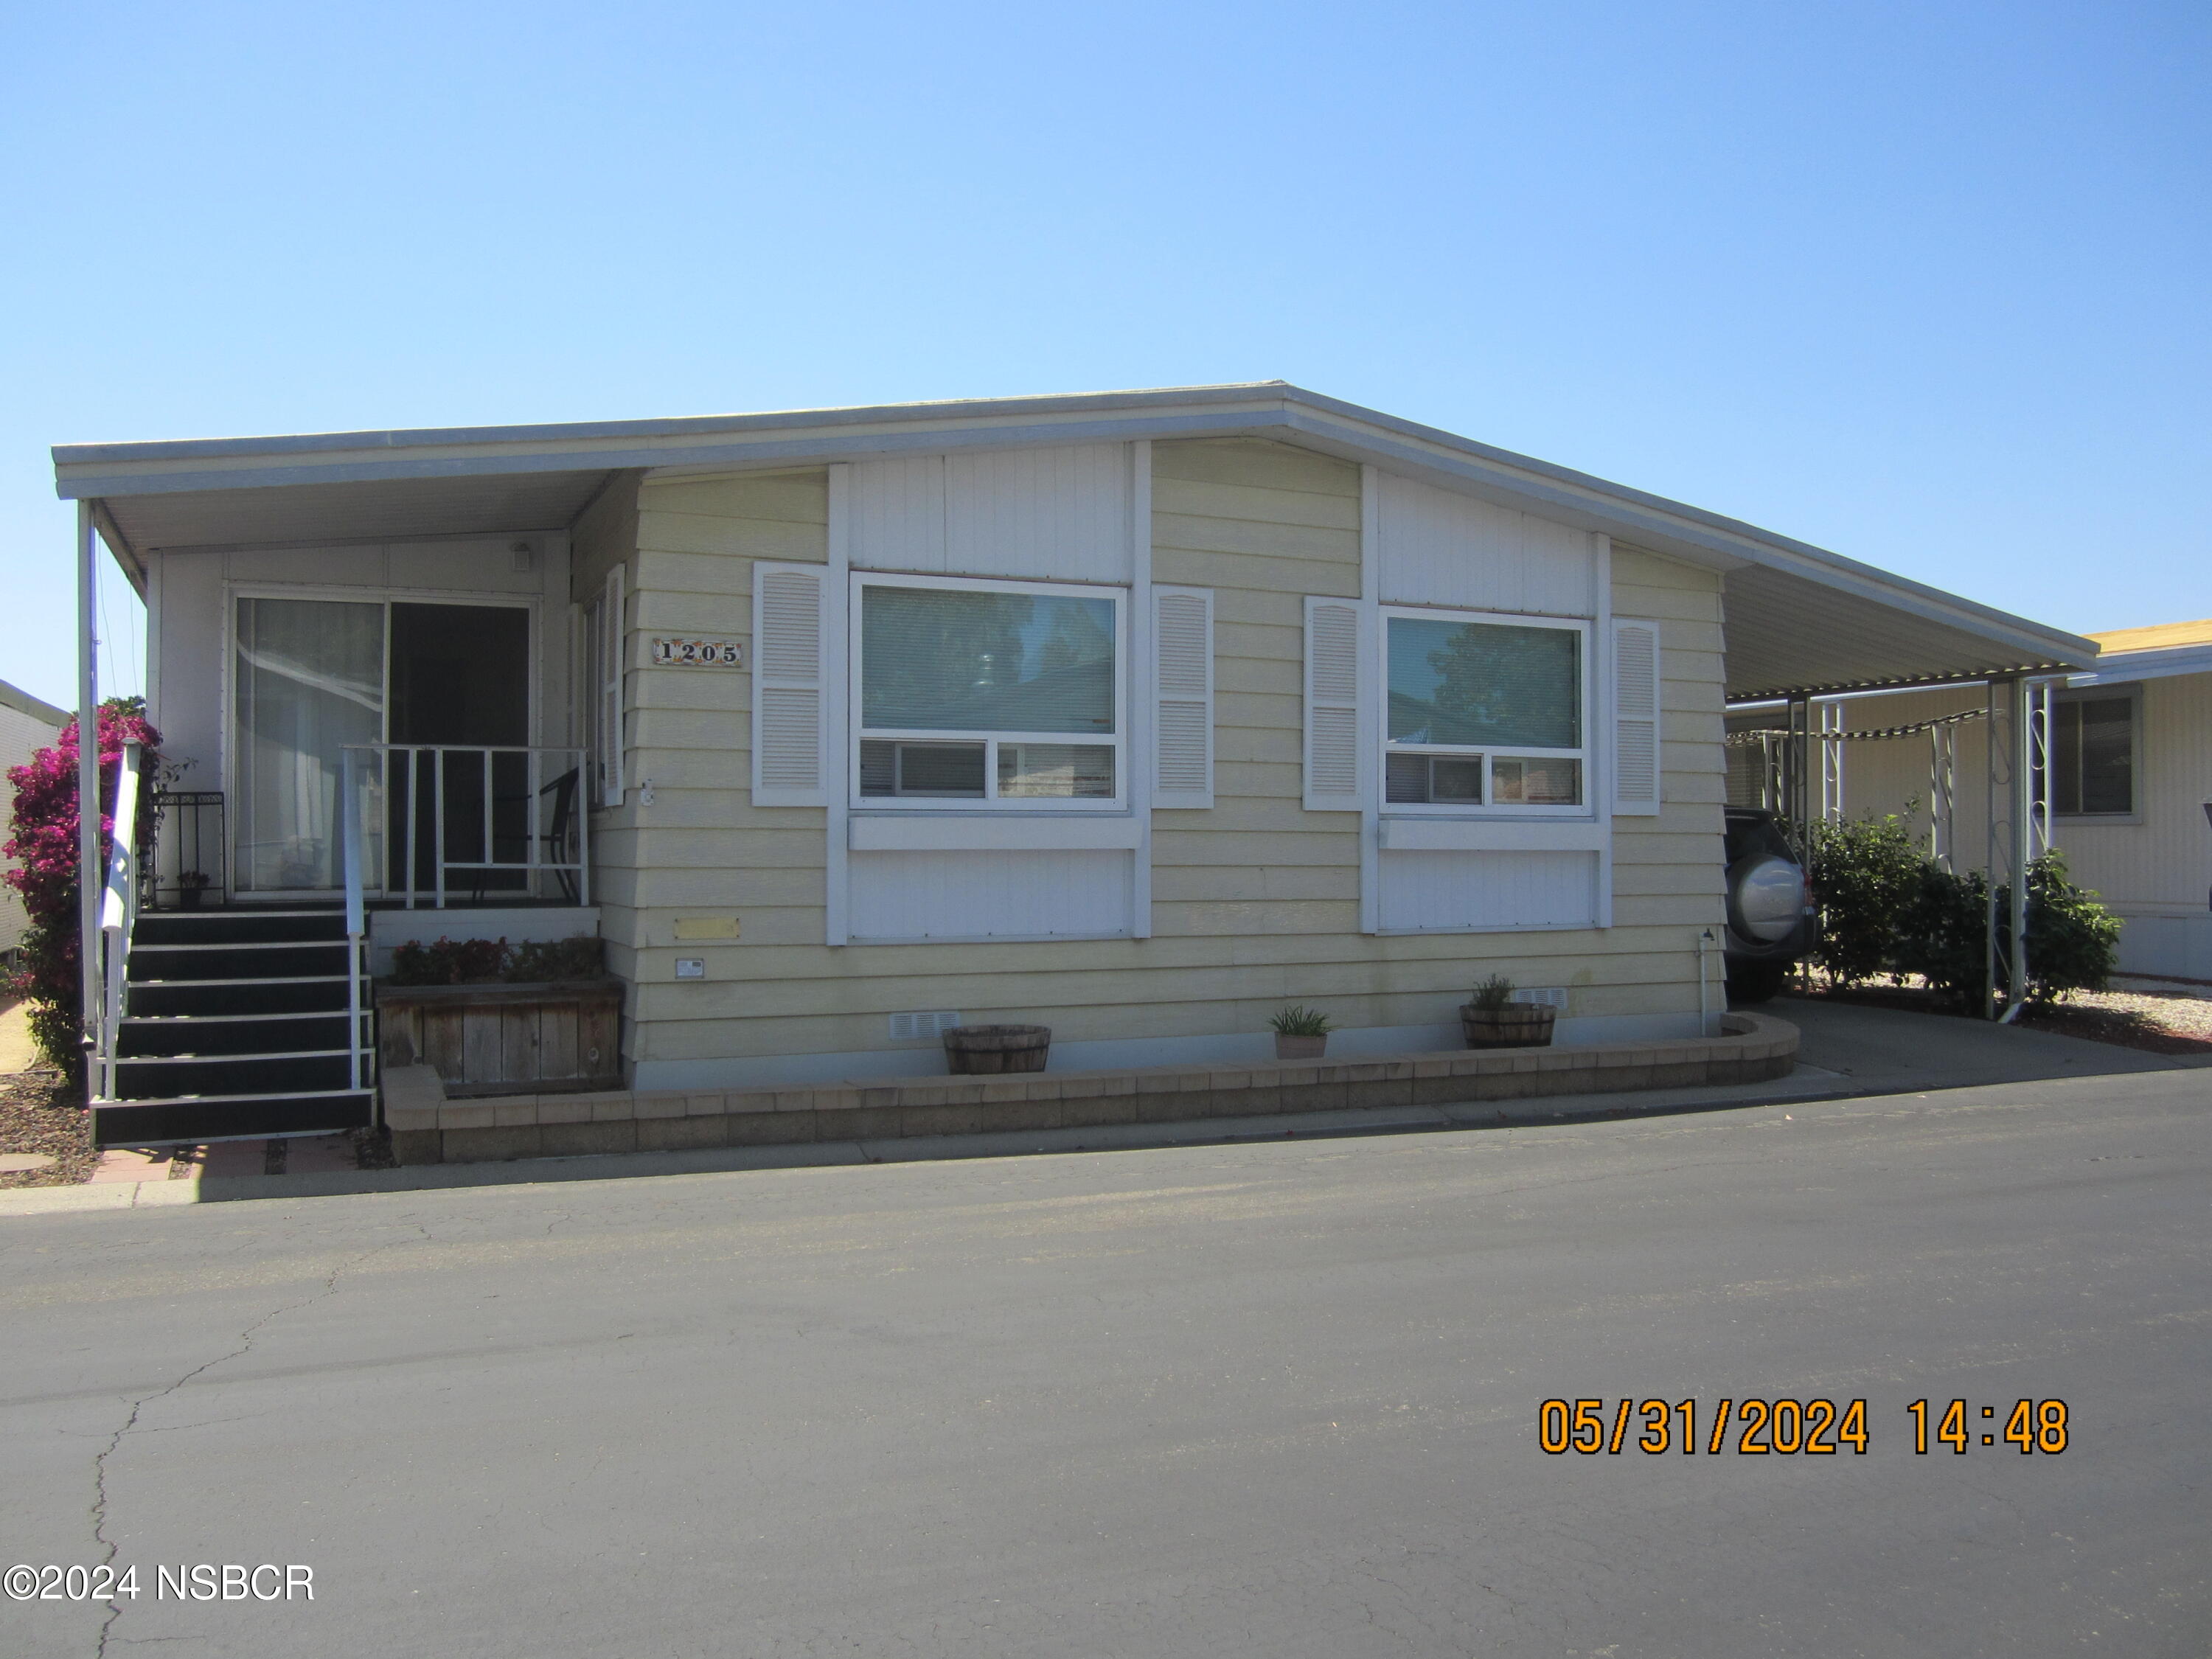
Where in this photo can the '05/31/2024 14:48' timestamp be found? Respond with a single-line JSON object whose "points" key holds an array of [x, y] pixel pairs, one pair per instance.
{"points": [[1808, 1427]]}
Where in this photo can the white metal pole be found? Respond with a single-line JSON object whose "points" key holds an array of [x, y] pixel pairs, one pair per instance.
{"points": [[88, 871], [2024, 699]]}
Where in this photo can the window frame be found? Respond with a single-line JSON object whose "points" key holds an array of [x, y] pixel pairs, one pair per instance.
{"points": [[1584, 629], [989, 801], [2132, 692]]}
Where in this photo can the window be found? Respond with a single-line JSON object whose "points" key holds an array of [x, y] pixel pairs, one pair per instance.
{"points": [[1484, 711], [978, 691], [2092, 747]]}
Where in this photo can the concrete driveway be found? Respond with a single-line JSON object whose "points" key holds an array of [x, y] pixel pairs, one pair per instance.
{"points": [[1273, 1400], [1885, 1049]]}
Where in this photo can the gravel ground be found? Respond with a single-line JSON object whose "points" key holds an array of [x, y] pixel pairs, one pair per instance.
{"points": [[40, 1113], [2159, 1022]]}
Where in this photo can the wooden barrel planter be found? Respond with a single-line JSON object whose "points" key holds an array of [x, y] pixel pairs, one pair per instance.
{"points": [[506, 1039], [983, 1050], [1518, 1026]]}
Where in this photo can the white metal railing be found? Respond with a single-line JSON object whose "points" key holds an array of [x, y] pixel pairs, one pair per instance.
{"points": [[356, 920], [500, 819], [118, 910]]}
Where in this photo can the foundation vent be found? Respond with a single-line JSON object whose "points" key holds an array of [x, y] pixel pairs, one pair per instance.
{"points": [[922, 1027]]}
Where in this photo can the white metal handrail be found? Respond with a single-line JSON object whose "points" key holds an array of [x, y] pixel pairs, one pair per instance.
{"points": [[119, 911], [356, 920], [424, 771]]}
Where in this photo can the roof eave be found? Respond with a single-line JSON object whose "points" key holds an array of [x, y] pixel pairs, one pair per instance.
{"points": [[811, 437]]}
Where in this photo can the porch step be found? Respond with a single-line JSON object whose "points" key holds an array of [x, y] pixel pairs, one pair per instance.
{"points": [[237, 959], [229, 1117], [153, 1037], [172, 1077], [321, 994], [236, 926]]}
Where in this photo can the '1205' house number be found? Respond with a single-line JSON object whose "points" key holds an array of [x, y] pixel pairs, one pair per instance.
{"points": [[698, 653]]}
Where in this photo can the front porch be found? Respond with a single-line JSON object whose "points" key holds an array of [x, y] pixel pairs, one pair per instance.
{"points": [[362, 744]]}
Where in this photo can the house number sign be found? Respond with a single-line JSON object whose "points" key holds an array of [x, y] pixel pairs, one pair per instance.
{"points": [[698, 653]]}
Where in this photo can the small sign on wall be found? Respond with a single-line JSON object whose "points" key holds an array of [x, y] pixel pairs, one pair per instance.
{"points": [[697, 654]]}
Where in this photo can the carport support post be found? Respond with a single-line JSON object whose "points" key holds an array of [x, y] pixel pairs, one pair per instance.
{"points": [[88, 871], [1795, 767], [2011, 774]]}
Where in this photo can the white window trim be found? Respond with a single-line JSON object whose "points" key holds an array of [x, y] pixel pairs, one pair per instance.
{"points": [[855, 733], [2133, 691], [1586, 755]]}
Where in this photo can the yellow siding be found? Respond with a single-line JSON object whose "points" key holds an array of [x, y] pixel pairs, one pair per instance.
{"points": [[1256, 902]]}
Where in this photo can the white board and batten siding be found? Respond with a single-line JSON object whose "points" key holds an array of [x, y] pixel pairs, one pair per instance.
{"points": [[1434, 547], [1055, 514]]}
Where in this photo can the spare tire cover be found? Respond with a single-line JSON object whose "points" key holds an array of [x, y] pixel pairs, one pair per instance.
{"points": [[1765, 897]]}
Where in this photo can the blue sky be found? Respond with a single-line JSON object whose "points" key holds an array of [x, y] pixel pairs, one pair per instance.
{"points": [[1923, 283]]}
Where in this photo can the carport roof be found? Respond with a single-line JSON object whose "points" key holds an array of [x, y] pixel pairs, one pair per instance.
{"points": [[1801, 620]]}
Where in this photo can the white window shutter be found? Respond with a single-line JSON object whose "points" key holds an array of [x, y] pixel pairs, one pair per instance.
{"points": [[1182, 681], [612, 636], [791, 759], [1333, 671], [1636, 752]]}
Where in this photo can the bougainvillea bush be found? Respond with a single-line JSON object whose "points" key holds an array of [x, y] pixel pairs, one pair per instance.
{"points": [[44, 847]]}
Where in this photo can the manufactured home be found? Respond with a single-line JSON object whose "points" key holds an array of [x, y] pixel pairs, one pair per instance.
{"points": [[1131, 715]]}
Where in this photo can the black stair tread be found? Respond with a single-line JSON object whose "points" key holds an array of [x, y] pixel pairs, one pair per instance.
{"points": [[211, 1059], [244, 946], [257, 979], [216, 1100], [232, 1018]]}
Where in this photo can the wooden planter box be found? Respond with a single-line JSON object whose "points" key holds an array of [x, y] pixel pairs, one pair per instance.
{"points": [[504, 1039]]}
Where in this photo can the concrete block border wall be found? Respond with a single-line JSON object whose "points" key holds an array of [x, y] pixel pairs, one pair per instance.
{"points": [[428, 1128]]}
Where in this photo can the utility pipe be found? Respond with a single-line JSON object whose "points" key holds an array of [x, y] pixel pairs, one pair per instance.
{"points": [[1705, 980]]}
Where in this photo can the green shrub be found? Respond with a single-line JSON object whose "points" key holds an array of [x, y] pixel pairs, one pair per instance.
{"points": [[560, 959], [1297, 1022], [2072, 940], [492, 961], [1864, 875], [451, 962], [1887, 910]]}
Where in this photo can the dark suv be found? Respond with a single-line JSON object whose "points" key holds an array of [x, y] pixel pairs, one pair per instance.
{"points": [[1771, 919]]}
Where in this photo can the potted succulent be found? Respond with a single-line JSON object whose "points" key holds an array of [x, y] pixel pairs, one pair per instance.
{"points": [[1492, 1020], [1300, 1033], [189, 885]]}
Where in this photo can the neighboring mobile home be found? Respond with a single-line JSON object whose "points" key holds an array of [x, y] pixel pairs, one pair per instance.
{"points": [[1135, 714], [27, 726], [2126, 794]]}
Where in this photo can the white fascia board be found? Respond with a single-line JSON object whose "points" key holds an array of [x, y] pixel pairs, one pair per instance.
{"points": [[747, 441], [805, 437], [2120, 668]]}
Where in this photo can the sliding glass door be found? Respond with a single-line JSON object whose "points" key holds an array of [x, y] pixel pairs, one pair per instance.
{"points": [[307, 679], [311, 676]]}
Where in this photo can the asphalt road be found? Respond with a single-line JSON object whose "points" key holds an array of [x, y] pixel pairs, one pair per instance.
{"points": [[1275, 1400]]}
